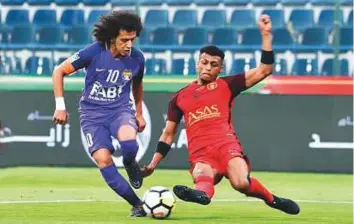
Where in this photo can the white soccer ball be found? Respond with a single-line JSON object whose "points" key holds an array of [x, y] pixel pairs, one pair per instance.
{"points": [[159, 202]]}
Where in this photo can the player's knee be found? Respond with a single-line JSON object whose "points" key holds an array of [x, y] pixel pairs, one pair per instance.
{"points": [[104, 162], [240, 185], [102, 158], [129, 150], [202, 169], [126, 133]]}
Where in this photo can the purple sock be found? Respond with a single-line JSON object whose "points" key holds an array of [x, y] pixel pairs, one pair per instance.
{"points": [[129, 151], [119, 184]]}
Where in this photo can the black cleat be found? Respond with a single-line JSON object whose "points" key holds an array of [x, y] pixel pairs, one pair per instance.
{"points": [[138, 211], [286, 205], [188, 194], [134, 173]]}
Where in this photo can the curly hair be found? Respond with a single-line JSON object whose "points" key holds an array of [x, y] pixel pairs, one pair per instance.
{"points": [[111, 24]]}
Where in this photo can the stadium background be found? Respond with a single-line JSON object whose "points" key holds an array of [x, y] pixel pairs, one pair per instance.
{"points": [[296, 126]]}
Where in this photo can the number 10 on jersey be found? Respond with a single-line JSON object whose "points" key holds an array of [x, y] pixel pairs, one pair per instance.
{"points": [[112, 76]]}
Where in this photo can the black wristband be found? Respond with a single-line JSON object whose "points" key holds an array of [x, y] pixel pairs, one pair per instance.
{"points": [[267, 57], [163, 148]]}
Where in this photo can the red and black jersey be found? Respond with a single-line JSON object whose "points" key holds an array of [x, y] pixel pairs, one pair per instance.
{"points": [[207, 110]]}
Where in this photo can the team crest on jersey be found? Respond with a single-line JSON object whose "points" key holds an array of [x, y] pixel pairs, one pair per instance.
{"points": [[212, 86], [127, 74]]}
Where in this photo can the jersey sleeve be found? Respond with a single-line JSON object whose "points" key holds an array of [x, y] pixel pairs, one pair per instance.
{"points": [[236, 83], [174, 113], [82, 58], [139, 57]]}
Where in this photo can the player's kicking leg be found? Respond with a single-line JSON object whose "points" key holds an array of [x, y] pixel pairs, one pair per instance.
{"points": [[238, 174], [117, 182], [203, 176], [129, 147]]}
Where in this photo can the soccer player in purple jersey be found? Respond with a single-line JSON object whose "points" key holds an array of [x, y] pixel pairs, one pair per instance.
{"points": [[113, 66]]}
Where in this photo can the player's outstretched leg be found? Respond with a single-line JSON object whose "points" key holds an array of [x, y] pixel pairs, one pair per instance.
{"points": [[191, 195], [238, 174], [256, 189], [129, 151], [122, 188], [286, 205]]}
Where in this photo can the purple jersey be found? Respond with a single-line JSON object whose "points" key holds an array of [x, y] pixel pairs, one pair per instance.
{"points": [[108, 79]]}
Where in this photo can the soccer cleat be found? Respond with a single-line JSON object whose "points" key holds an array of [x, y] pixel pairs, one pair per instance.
{"points": [[138, 211], [188, 194], [286, 205], [134, 173]]}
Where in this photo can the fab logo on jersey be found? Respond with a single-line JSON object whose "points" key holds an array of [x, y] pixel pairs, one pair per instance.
{"points": [[143, 140], [203, 113], [108, 94]]}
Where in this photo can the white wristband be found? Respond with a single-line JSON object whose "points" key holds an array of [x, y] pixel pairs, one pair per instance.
{"points": [[59, 103]]}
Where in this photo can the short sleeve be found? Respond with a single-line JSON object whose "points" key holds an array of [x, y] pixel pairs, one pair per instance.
{"points": [[236, 83], [174, 113], [84, 57]]}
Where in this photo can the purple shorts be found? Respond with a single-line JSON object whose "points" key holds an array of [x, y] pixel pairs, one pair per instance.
{"points": [[99, 128]]}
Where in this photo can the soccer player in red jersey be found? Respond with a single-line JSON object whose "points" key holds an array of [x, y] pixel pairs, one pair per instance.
{"points": [[213, 146]]}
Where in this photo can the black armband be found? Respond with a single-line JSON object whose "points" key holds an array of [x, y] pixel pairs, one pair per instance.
{"points": [[163, 148], [267, 57]]}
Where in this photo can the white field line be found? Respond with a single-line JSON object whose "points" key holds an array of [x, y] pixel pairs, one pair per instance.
{"points": [[46, 201], [215, 200]]}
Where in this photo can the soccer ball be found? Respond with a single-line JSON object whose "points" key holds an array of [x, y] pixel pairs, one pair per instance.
{"points": [[159, 202]]}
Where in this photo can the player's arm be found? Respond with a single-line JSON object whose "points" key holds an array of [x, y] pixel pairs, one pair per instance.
{"points": [[174, 116], [162, 148], [256, 75], [65, 68], [77, 61]]}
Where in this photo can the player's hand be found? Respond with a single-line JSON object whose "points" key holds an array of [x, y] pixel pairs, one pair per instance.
{"points": [[60, 117], [140, 121], [265, 24], [147, 170]]}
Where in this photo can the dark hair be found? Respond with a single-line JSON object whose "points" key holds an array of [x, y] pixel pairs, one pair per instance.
{"points": [[111, 24], [213, 51]]}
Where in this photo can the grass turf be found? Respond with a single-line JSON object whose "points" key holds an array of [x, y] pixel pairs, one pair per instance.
{"points": [[30, 195]]}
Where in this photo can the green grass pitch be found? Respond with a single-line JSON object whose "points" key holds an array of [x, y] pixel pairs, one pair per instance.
{"points": [[79, 195]]}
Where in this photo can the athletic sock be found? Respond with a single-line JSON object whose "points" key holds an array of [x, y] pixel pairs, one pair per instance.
{"points": [[129, 151], [205, 184], [257, 190], [119, 184]]}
